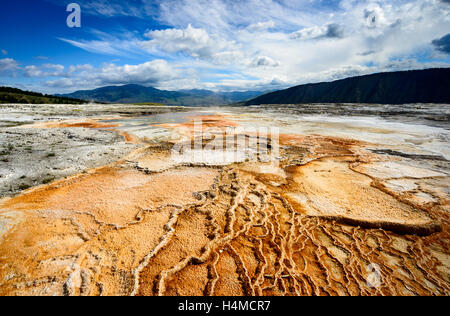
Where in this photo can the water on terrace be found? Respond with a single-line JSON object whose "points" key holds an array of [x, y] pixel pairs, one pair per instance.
{"points": [[412, 129]]}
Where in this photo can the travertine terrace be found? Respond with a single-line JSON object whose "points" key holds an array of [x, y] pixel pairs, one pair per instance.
{"points": [[331, 216]]}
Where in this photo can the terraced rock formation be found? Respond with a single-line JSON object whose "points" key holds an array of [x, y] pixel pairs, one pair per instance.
{"points": [[327, 217]]}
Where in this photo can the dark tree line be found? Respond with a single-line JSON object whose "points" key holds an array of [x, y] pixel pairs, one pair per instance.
{"points": [[14, 95]]}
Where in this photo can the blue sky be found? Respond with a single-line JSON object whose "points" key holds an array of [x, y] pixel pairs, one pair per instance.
{"points": [[216, 44]]}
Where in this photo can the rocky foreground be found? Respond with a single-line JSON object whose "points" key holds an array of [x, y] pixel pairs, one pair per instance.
{"points": [[327, 216]]}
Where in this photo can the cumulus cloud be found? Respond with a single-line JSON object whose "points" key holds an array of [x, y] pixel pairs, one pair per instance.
{"points": [[443, 44], [47, 70], [4, 52], [320, 32], [77, 68], [264, 61], [153, 73], [8, 67], [270, 84], [60, 83], [374, 17], [261, 26], [195, 42], [54, 70]]}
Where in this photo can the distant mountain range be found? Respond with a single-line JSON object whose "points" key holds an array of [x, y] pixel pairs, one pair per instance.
{"points": [[14, 95], [403, 87], [139, 94], [416, 86]]}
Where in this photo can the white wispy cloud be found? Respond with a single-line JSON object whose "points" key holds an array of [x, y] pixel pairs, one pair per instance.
{"points": [[41, 57], [228, 44], [112, 8], [124, 44]]}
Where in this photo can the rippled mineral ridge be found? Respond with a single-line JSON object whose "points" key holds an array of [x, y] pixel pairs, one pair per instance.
{"points": [[355, 202]]}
